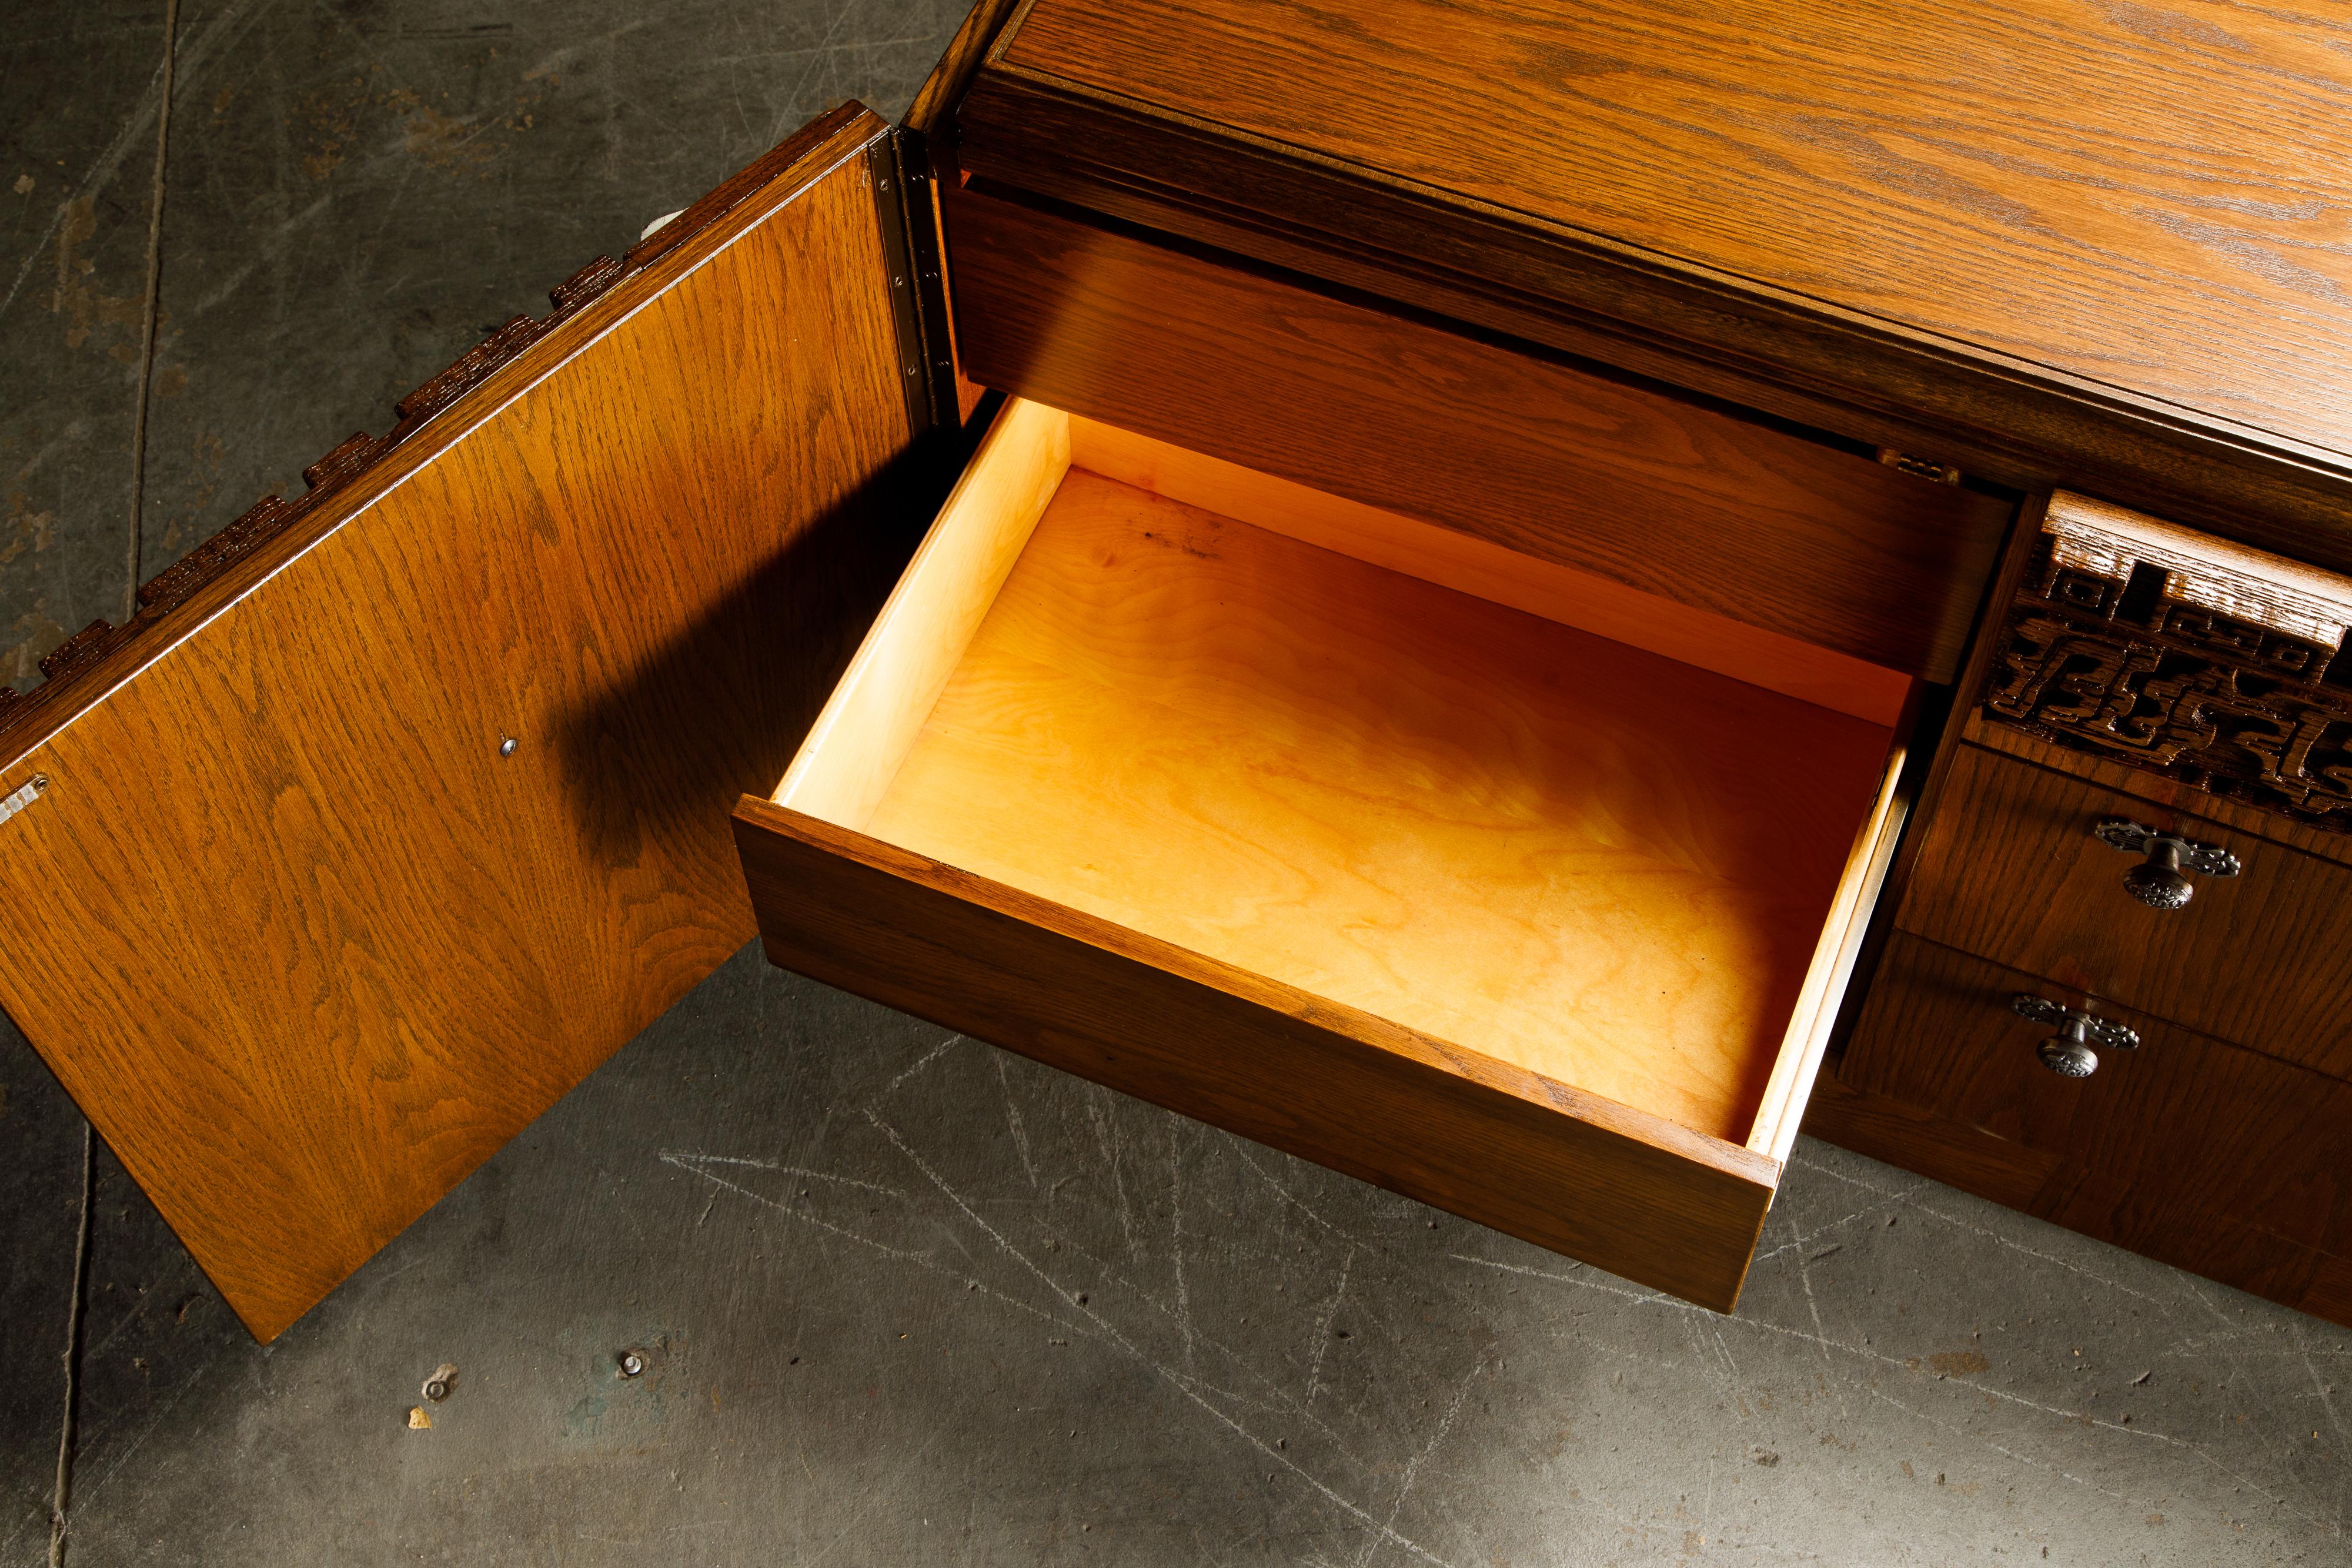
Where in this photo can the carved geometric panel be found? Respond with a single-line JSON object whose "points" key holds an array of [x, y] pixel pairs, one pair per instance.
{"points": [[2187, 656]]}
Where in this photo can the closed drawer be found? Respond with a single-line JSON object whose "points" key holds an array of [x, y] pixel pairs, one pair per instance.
{"points": [[1476, 878], [2207, 1155], [2011, 868]]}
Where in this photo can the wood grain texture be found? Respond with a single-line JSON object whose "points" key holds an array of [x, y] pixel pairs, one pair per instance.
{"points": [[932, 114], [2009, 870], [2201, 1155], [297, 939], [1742, 519], [2099, 240], [2165, 793], [1530, 1156], [861, 739], [1596, 863], [274, 530], [1482, 569]]}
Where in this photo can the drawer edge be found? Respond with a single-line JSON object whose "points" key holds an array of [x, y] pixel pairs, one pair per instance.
{"points": [[1616, 1188]]}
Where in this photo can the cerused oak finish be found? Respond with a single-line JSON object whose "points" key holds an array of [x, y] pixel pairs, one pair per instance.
{"points": [[301, 941], [1666, 494], [2207, 1155], [2061, 243]]}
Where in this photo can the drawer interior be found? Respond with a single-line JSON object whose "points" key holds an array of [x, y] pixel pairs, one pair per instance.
{"points": [[1617, 841]]}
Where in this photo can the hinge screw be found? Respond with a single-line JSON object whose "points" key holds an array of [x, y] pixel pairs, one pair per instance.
{"points": [[507, 746], [632, 1364]]}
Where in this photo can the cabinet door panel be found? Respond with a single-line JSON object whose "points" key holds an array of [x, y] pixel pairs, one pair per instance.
{"points": [[302, 932]]}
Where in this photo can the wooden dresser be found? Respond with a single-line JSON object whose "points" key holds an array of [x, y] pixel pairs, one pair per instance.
{"points": [[1517, 601]]}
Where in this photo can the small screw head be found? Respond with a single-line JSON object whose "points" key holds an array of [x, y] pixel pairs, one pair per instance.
{"points": [[436, 1390], [507, 744], [633, 1363], [40, 782]]}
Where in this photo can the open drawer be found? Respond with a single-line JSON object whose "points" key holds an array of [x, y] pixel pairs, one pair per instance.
{"points": [[1515, 891]]}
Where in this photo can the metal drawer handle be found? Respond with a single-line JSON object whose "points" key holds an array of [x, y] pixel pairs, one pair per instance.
{"points": [[2068, 1053], [2160, 882]]}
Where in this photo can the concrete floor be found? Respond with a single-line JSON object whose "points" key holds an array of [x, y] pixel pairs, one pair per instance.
{"points": [[905, 1298]]}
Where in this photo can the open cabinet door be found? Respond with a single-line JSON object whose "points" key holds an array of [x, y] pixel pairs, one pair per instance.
{"points": [[399, 808]]}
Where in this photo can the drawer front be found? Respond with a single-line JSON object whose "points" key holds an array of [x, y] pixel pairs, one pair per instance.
{"points": [[1296, 1072], [2011, 868], [2205, 1154], [1683, 500]]}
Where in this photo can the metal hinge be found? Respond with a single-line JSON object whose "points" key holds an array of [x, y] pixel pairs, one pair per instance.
{"points": [[1919, 467], [24, 796]]}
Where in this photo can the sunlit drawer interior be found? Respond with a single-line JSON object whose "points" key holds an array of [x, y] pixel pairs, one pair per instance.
{"points": [[1520, 892]]}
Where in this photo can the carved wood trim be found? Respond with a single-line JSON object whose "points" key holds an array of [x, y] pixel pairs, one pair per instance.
{"points": [[78, 666], [2187, 656]]}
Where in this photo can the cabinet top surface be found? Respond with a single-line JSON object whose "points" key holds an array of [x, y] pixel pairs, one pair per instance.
{"points": [[2154, 199]]}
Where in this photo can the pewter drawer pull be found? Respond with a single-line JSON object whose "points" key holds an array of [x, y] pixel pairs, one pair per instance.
{"points": [[2160, 882], [2068, 1053]]}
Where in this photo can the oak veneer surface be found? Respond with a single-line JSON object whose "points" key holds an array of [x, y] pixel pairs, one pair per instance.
{"points": [[302, 943], [2011, 870], [2219, 1246], [1592, 862], [1679, 500], [2168, 794], [1538, 1159], [2058, 224], [2202, 1154]]}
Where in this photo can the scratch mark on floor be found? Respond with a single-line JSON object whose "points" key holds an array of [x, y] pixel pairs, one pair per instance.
{"points": [[1013, 1120], [1176, 1380], [1412, 1467], [929, 1057], [1827, 1344], [136, 131], [903, 1255], [1323, 1330], [1176, 1242], [1883, 1398], [1107, 1135], [1289, 1197], [1807, 1237], [688, 1159]]}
